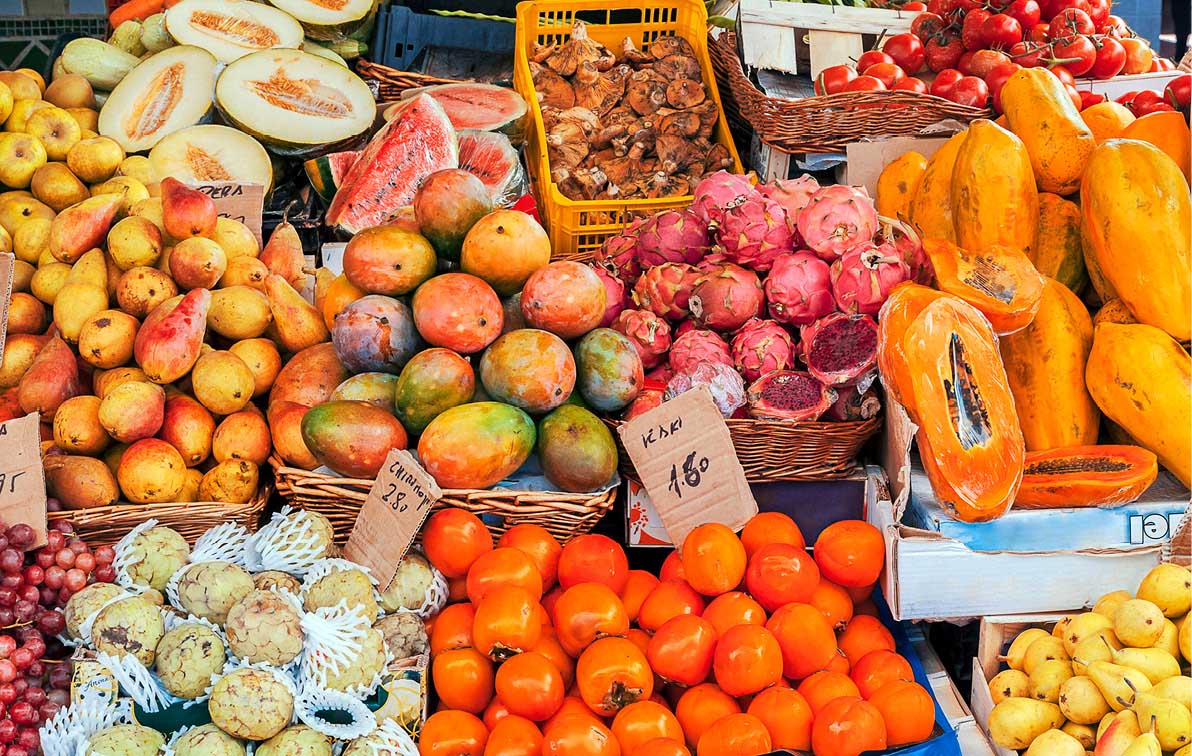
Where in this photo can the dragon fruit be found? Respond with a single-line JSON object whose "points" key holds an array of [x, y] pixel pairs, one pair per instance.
{"points": [[618, 254], [717, 191], [725, 384], [852, 405], [682, 327], [661, 374], [841, 349], [647, 399], [792, 194], [755, 231], [836, 219], [863, 278], [760, 347], [799, 289], [910, 249], [664, 290], [725, 297], [616, 296], [788, 395], [649, 333], [695, 347], [678, 236]]}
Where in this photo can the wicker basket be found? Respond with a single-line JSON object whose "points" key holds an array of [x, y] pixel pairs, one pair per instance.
{"points": [[771, 450], [107, 525], [339, 500], [826, 123], [391, 82]]}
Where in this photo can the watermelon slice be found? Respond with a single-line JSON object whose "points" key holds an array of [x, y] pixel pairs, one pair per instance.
{"points": [[478, 106], [492, 158], [390, 169], [326, 172]]}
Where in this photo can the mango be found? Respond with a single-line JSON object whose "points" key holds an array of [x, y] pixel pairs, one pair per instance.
{"points": [[476, 445], [285, 428], [576, 449], [374, 388], [352, 437], [309, 377]]}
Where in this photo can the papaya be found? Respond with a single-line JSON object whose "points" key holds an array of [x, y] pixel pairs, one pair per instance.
{"points": [[1114, 311], [898, 183], [969, 437], [931, 206], [903, 305], [1045, 366], [1141, 378], [1168, 131], [999, 281], [1136, 225], [994, 199], [1059, 253], [1043, 116], [476, 445], [1085, 476]]}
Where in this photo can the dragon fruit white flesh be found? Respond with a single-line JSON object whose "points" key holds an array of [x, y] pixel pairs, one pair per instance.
{"points": [[761, 346], [678, 236], [841, 349], [717, 191], [698, 346], [799, 289], [836, 219], [792, 194], [665, 290], [863, 278], [754, 231], [725, 384]]}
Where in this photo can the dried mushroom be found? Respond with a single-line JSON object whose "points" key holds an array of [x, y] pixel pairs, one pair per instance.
{"points": [[585, 183], [566, 147], [646, 96], [678, 67], [682, 122], [623, 171], [599, 92], [664, 47], [717, 159], [552, 89], [633, 56], [664, 184], [677, 153], [567, 58], [684, 93]]}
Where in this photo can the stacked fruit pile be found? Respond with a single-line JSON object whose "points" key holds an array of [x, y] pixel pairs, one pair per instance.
{"points": [[748, 282], [739, 646], [1108, 679]]}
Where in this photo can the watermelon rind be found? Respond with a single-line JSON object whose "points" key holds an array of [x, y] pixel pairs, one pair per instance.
{"points": [[327, 171], [490, 157], [472, 105]]}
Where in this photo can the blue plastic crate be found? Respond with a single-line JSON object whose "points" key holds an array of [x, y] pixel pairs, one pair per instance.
{"points": [[402, 35]]}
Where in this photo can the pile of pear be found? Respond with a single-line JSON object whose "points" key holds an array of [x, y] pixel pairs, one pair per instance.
{"points": [[1110, 682]]}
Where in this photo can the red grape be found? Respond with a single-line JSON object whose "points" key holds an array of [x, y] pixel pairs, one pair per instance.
{"points": [[22, 657], [30, 593], [36, 646], [105, 574], [105, 555], [8, 692], [17, 751], [8, 644], [8, 672], [8, 596], [59, 696], [76, 580], [30, 739], [54, 576], [21, 536], [79, 546], [55, 540], [84, 561], [51, 623], [45, 559], [64, 558], [49, 596], [64, 595], [8, 731], [34, 575], [11, 560], [25, 610], [64, 526]]}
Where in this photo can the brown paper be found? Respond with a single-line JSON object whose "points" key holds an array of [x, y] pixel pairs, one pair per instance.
{"points": [[241, 202], [6, 269], [684, 454], [397, 505], [22, 480]]}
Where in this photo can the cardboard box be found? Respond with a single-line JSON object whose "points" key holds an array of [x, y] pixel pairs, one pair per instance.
{"points": [[865, 160]]}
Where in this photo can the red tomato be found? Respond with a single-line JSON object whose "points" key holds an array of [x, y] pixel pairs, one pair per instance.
{"points": [[1037, 34], [1073, 95], [965, 64], [1111, 59], [996, 79], [1064, 75], [865, 84], [1138, 55], [1029, 54], [971, 91], [1098, 11], [1057, 7], [888, 74], [911, 84], [1115, 26], [1155, 107], [907, 51], [1179, 91], [1001, 30], [1071, 21], [872, 58], [945, 82], [914, 5], [1161, 64], [1089, 99], [834, 79], [926, 25], [1078, 54], [970, 31], [1027, 12], [985, 61], [943, 53]]}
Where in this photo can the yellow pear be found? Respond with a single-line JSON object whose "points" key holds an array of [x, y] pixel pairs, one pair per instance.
{"points": [[95, 160], [55, 185], [1016, 722], [1017, 651], [1047, 677], [1058, 628], [6, 101], [1084, 626], [20, 155], [1055, 743], [1184, 637], [1169, 587], [1118, 684], [139, 168], [1081, 701], [1044, 649], [1099, 647], [1116, 732], [235, 238], [90, 269], [1178, 688], [299, 325], [1169, 640], [1185, 751], [1144, 745], [22, 274], [18, 207], [1009, 683], [48, 280], [31, 240], [1086, 735], [1109, 603], [57, 130], [1138, 623], [1170, 721], [1157, 665]]}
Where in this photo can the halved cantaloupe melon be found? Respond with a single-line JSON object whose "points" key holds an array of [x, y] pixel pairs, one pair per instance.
{"points": [[201, 154], [230, 29], [167, 92], [328, 19]]}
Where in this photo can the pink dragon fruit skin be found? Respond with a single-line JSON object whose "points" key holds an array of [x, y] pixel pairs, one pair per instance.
{"points": [[799, 288], [836, 219], [724, 298], [678, 236], [910, 249], [725, 384], [761, 346], [863, 278], [683, 326], [650, 334], [661, 374], [792, 194], [694, 347], [665, 290], [754, 232], [716, 191], [616, 294], [841, 350], [618, 254]]}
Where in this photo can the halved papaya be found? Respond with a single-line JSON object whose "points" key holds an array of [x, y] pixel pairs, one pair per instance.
{"points": [[1085, 476], [999, 281], [969, 437], [903, 305]]}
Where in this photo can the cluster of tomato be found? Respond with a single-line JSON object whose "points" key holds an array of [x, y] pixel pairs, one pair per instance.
{"points": [[971, 48], [741, 645], [1175, 96]]}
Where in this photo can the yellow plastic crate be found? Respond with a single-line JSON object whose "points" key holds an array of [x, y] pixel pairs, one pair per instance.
{"points": [[578, 228]]}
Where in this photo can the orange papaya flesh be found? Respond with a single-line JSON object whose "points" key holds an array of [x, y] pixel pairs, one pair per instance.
{"points": [[1085, 476], [1000, 282], [904, 304]]}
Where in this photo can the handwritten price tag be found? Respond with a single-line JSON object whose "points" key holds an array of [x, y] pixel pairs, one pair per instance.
{"points": [[398, 503], [22, 481], [240, 202], [684, 454]]}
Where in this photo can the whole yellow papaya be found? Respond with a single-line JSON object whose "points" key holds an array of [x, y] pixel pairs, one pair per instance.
{"points": [[1141, 378], [1045, 367], [1058, 253], [1058, 141], [1136, 227], [994, 199], [931, 205], [897, 184]]}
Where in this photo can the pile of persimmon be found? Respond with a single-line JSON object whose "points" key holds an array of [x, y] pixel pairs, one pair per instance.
{"points": [[740, 646]]}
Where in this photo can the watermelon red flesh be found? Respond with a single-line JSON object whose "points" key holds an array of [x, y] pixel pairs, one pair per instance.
{"points": [[481, 106], [326, 172], [394, 164], [491, 158]]}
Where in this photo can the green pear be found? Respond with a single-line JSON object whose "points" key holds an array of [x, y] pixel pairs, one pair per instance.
{"points": [[1081, 701], [1109, 603], [1177, 688], [1144, 745], [1115, 737], [1055, 743], [1117, 684], [1017, 651], [1047, 678], [1138, 623], [1169, 587], [1098, 647], [1084, 626], [1169, 639], [1155, 664], [1044, 649], [1009, 683], [1170, 721], [1015, 722]]}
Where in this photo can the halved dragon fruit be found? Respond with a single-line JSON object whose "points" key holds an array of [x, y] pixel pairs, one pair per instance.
{"points": [[725, 297], [665, 290], [841, 349], [678, 236], [698, 346], [616, 295], [799, 288], [754, 231], [717, 191], [760, 347], [836, 219], [725, 384], [618, 254], [792, 194], [789, 395], [863, 278], [649, 333]]}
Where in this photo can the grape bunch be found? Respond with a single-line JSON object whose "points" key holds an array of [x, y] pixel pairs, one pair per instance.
{"points": [[35, 670]]}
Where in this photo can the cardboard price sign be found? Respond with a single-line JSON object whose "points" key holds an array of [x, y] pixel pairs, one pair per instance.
{"points": [[240, 202], [22, 480], [684, 454], [398, 503]]}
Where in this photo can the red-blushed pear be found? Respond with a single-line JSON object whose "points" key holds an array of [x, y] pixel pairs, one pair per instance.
{"points": [[283, 255], [170, 338], [51, 379], [186, 212], [83, 226]]}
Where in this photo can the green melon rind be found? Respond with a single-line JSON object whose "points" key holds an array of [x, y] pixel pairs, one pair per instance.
{"points": [[326, 171]]}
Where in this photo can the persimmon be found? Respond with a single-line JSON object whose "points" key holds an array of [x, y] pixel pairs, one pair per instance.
{"points": [[639, 638], [578, 735], [770, 527], [457, 589], [669, 599], [531, 686], [539, 545], [661, 747], [824, 686], [735, 735], [833, 602], [453, 538], [876, 668], [452, 733], [452, 628], [611, 674], [639, 723], [839, 663], [806, 640], [699, 707], [637, 587], [786, 715], [514, 736], [681, 651], [848, 726], [863, 634], [572, 705], [549, 598], [779, 573], [866, 607], [593, 558], [672, 567], [463, 678], [548, 645], [748, 659], [850, 553], [502, 566], [493, 713], [713, 559], [507, 622], [732, 609], [860, 594], [908, 711], [585, 612]]}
